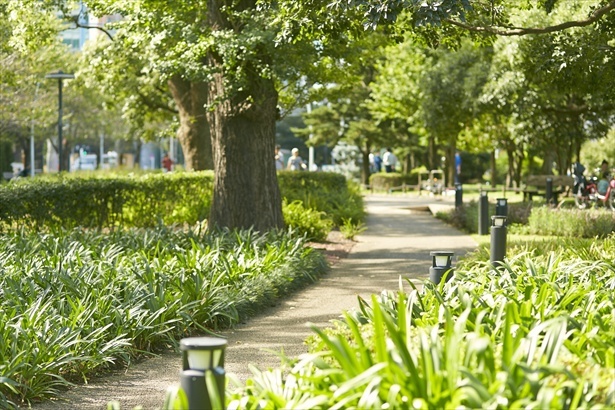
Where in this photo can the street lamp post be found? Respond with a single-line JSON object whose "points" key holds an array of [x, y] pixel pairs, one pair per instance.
{"points": [[60, 75]]}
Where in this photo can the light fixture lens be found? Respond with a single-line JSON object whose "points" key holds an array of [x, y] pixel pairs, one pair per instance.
{"points": [[199, 359], [498, 221], [442, 261]]}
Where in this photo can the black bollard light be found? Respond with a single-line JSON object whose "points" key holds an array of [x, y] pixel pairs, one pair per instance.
{"points": [[483, 214], [202, 356], [440, 265], [458, 195], [498, 240], [549, 191], [501, 207]]}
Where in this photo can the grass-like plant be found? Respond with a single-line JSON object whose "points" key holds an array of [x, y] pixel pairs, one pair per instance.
{"points": [[538, 333], [81, 301]]}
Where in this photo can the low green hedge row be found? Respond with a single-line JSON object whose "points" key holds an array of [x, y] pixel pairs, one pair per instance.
{"points": [[538, 220], [325, 192], [109, 200], [384, 181]]}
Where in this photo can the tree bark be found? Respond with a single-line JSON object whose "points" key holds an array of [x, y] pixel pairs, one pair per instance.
{"points": [[193, 133], [365, 171], [246, 192], [242, 124], [493, 169]]}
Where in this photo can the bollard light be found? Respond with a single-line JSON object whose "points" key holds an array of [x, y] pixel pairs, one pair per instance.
{"points": [[501, 207], [458, 195], [498, 240], [440, 265], [202, 356], [483, 213]]}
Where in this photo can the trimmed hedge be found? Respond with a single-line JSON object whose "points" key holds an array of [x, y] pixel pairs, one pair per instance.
{"points": [[324, 192], [128, 200], [107, 201]]}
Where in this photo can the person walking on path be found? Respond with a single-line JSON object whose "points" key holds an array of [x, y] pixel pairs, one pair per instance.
{"points": [[295, 162], [396, 244], [389, 160], [279, 158]]}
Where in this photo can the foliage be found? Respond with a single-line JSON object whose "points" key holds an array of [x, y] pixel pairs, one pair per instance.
{"points": [[120, 199], [324, 192], [525, 336], [308, 223], [106, 201], [77, 302], [386, 181], [350, 228], [577, 223], [466, 216]]}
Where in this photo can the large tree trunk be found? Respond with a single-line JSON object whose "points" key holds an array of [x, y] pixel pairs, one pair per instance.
{"points": [[242, 123], [246, 192], [193, 133]]}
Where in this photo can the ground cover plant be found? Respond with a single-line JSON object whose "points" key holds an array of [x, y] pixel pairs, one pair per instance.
{"points": [[77, 302], [538, 333], [529, 218]]}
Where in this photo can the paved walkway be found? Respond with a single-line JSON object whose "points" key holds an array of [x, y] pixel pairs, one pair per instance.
{"points": [[401, 233]]}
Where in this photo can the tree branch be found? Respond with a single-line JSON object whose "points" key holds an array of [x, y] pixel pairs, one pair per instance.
{"points": [[522, 31], [75, 19], [154, 104]]}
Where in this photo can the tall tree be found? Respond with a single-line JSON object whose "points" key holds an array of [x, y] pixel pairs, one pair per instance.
{"points": [[226, 63], [449, 88]]}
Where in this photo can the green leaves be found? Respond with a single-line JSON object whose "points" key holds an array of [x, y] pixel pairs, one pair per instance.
{"points": [[527, 337], [79, 302]]}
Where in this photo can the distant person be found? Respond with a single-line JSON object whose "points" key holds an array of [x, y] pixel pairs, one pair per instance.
{"points": [[377, 162], [167, 163], [295, 162], [604, 176], [457, 167], [279, 158], [389, 160]]}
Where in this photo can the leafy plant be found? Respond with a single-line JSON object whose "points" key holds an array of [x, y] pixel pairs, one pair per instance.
{"points": [[306, 222], [79, 302], [537, 334], [350, 229]]}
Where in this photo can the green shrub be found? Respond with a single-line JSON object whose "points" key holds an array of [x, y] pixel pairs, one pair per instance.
{"points": [[324, 192], [587, 223], [306, 222], [466, 216], [107, 200], [384, 181]]}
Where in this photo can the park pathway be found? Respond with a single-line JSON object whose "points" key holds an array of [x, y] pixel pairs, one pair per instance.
{"points": [[400, 234]]}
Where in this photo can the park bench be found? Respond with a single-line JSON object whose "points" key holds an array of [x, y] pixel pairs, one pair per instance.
{"points": [[536, 185]]}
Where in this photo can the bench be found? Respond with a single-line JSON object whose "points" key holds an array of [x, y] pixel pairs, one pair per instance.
{"points": [[536, 185]]}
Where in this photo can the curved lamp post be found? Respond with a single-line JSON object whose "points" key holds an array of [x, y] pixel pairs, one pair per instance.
{"points": [[60, 75]]}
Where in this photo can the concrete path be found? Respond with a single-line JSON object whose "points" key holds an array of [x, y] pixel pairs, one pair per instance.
{"points": [[401, 233]]}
